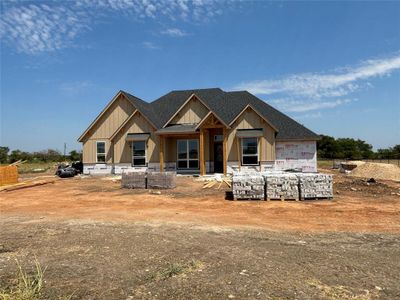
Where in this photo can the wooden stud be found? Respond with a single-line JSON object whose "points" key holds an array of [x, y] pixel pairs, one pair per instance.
{"points": [[224, 151], [202, 162], [238, 152], [161, 153]]}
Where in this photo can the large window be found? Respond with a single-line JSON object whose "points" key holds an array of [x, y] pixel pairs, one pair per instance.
{"points": [[187, 154], [101, 152], [139, 153], [249, 151]]}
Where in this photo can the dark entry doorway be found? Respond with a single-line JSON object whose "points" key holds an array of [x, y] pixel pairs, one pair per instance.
{"points": [[218, 157]]}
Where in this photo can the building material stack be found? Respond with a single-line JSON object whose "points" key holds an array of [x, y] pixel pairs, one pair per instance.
{"points": [[133, 180], [161, 180], [283, 186], [248, 186], [315, 186]]}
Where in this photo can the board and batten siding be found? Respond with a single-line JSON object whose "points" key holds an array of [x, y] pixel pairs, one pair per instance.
{"points": [[103, 129], [122, 148], [191, 113], [249, 119]]}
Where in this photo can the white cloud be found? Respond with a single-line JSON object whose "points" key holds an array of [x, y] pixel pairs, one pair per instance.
{"points": [[38, 27], [150, 45], [336, 84], [291, 105], [316, 115], [323, 90], [35, 27], [174, 32]]}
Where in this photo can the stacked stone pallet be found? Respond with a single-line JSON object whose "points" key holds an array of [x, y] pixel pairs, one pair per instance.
{"points": [[315, 186], [284, 186], [161, 180], [133, 180], [248, 186]]}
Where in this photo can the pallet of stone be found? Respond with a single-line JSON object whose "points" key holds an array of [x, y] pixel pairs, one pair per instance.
{"points": [[281, 186], [248, 186], [315, 186], [133, 180], [161, 180]]}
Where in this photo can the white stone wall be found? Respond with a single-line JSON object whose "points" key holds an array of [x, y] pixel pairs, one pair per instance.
{"points": [[97, 169], [300, 155]]}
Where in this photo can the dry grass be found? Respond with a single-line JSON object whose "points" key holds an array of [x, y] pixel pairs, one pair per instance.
{"points": [[175, 269], [341, 292], [25, 287]]}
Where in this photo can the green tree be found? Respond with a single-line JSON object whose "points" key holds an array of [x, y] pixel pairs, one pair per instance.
{"points": [[75, 155], [4, 154]]}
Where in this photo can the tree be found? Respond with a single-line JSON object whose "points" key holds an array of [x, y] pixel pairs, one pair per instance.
{"points": [[4, 154], [75, 155]]}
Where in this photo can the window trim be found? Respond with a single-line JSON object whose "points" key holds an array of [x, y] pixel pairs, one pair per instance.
{"points": [[105, 153], [250, 155], [188, 159], [139, 156]]}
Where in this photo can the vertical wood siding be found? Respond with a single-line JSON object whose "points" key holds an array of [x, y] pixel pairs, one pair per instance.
{"points": [[192, 113], [122, 148], [111, 120], [250, 120]]}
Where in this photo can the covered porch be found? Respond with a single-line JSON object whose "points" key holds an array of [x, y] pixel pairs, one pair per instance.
{"points": [[194, 148]]}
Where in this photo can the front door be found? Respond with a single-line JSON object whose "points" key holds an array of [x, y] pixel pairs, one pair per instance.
{"points": [[218, 157]]}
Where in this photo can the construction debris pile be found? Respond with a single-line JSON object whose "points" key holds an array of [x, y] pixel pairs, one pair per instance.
{"points": [[248, 186], [314, 186], [148, 180], [282, 186]]}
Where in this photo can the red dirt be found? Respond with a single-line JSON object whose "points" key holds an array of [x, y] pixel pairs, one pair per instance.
{"points": [[371, 208]]}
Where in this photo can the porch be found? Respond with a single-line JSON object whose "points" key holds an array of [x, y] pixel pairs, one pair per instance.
{"points": [[194, 148]]}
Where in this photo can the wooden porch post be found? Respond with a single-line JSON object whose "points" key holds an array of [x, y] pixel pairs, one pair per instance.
{"points": [[238, 152], [224, 152], [161, 153], [202, 162]]}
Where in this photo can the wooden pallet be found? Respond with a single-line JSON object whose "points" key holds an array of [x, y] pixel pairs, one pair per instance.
{"points": [[282, 199], [316, 198]]}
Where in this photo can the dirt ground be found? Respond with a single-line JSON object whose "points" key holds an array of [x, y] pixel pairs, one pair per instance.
{"points": [[101, 242]]}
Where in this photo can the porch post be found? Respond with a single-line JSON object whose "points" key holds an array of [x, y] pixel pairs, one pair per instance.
{"points": [[224, 152], [161, 153], [202, 162]]}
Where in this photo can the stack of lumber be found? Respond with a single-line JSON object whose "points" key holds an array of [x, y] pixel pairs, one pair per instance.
{"points": [[28, 183], [284, 186], [161, 180], [216, 180], [315, 186], [8, 175], [248, 186], [133, 180]]}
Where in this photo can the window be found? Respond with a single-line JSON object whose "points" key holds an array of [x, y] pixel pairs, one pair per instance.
{"points": [[101, 152], [249, 151], [139, 153], [187, 154]]}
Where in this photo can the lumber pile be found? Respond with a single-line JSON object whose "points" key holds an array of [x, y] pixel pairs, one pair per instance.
{"points": [[27, 184], [248, 186], [8, 175], [133, 180], [216, 180], [161, 180], [282, 186], [315, 186]]}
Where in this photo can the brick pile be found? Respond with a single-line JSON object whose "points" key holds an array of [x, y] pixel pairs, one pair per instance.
{"points": [[133, 180], [248, 186], [281, 186], [314, 186], [161, 180]]}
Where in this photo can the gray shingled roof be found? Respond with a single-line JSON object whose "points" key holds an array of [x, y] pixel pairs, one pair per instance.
{"points": [[226, 105], [178, 128]]}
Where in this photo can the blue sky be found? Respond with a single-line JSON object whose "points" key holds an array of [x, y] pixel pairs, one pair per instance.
{"points": [[333, 66]]}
